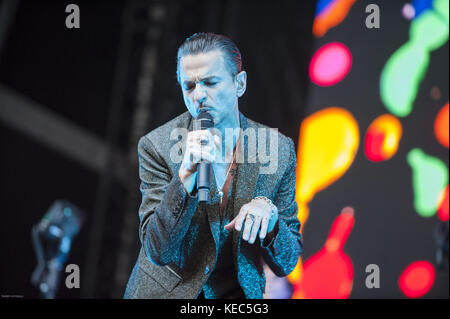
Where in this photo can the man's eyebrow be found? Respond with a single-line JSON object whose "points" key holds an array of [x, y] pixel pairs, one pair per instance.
{"points": [[211, 77]]}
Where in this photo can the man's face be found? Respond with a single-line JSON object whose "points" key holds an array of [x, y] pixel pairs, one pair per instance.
{"points": [[207, 84]]}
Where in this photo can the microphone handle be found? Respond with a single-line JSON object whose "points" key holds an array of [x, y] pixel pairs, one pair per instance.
{"points": [[203, 122], [203, 181]]}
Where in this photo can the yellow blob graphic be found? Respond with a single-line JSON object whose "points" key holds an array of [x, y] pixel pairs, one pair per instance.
{"points": [[297, 274], [328, 143]]}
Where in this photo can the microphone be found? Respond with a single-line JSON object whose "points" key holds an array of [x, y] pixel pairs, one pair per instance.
{"points": [[203, 122], [52, 238]]}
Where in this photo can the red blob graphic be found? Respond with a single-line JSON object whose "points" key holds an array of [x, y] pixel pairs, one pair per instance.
{"points": [[328, 274], [330, 64], [443, 206], [417, 279], [373, 145]]}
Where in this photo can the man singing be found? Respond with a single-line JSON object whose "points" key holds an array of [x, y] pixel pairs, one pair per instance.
{"points": [[214, 249]]}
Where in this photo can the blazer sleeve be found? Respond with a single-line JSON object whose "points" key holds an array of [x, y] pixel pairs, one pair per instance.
{"points": [[166, 209], [282, 252]]}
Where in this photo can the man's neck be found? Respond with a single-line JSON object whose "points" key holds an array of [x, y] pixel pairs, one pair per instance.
{"points": [[232, 124]]}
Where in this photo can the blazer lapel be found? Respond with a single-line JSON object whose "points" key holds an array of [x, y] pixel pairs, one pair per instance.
{"points": [[247, 176], [242, 188], [211, 209]]}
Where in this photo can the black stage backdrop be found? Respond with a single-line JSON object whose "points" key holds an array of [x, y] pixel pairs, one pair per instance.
{"points": [[105, 85]]}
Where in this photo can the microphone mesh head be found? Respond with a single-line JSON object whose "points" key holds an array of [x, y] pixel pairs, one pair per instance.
{"points": [[204, 115], [204, 121]]}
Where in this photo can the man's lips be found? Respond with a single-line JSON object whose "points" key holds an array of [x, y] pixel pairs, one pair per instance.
{"points": [[205, 109]]}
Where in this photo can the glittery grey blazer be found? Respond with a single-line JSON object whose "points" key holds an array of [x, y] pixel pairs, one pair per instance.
{"points": [[180, 237]]}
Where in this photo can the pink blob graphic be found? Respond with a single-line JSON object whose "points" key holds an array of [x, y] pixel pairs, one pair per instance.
{"points": [[408, 11], [330, 64]]}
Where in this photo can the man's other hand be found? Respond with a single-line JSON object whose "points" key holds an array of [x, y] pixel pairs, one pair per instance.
{"points": [[255, 216]]}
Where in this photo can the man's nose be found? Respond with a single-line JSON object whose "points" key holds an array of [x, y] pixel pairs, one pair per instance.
{"points": [[200, 94]]}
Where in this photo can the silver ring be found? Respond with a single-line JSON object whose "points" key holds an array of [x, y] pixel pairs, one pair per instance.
{"points": [[204, 140], [251, 217]]}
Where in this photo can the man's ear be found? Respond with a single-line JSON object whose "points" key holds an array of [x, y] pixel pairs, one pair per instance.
{"points": [[241, 81]]}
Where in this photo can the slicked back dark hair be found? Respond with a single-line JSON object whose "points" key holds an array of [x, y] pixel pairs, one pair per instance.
{"points": [[205, 42]]}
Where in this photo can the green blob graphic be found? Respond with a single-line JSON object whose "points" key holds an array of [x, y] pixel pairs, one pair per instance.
{"points": [[405, 69], [441, 7], [430, 177]]}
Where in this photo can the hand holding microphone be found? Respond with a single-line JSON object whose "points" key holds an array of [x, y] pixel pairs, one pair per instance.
{"points": [[201, 146]]}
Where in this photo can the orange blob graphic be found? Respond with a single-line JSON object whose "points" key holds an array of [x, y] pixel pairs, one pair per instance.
{"points": [[417, 279], [382, 138], [328, 274], [331, 16], [441, 128], [443, 206], [328, 142]]}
